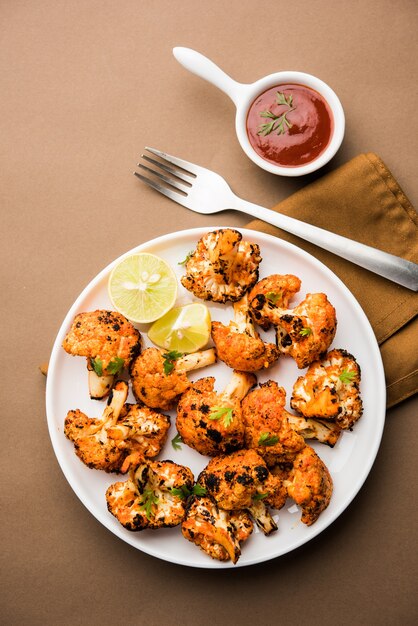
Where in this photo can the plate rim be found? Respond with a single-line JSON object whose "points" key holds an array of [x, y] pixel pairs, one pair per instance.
{"points": [[56, 350]]}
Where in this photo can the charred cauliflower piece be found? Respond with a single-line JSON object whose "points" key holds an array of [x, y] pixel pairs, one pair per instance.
{"points": [[309, 484], [239, 345], [330, 390], [211, 423], [141, 431], [307, 331], [267, 428], [218, 533], [152, 497], [271, 296], [159, 378], [91, 436], [321, 430], [223, 266], [304, 332], [241, 480], [108, 340]]}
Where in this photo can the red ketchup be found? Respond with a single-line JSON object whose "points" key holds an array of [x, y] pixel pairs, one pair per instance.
{"points": [[290, 125]]}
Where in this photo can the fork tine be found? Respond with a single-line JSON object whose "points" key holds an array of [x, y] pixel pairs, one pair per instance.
{"points": [[167, 168], [173, 195], [170, 181], [185, 165]]}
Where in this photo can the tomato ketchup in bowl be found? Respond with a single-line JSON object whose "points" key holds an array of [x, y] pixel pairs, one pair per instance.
{"points": [[288, 123]]}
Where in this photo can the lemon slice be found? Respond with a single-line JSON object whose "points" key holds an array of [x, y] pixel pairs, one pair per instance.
{"points": [[143, 287], [185, 328]]}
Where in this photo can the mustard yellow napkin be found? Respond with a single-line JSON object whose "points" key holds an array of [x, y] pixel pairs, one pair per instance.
{"points": [[362, 200]]}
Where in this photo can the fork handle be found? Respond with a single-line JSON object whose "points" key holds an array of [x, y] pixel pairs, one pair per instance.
{"points": [[392, 267]]}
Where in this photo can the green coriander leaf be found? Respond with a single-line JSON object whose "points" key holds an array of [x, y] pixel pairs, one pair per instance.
{"points": [[198, 490], [346, 376], [266, 129], [172, 355], [176, 441], [169, 359], [97, 365], [269, 114], [273, 296], [184, 492], [267, 440], [115, 365], [168, 367], [148, 499], [280, 127], [280, 123], [260, 496], [305, 332], [188, 255], [281, 98], [181, 492], [222, 412]]}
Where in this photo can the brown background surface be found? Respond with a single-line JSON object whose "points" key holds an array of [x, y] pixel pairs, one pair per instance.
{"points": [[85, 85]]}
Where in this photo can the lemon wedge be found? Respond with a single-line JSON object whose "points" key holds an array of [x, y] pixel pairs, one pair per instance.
{"points": [[185, 328], [142, 287]]}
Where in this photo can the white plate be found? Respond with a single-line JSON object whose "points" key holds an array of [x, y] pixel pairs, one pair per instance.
{"points": [[349, 461]]}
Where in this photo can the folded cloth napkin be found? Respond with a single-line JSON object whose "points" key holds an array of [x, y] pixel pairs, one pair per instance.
{"points": [[362, 200]]}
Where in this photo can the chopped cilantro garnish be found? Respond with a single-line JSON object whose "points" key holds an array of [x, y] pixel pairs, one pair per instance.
{"points": [[176, 441], [222, 412], [169, 360], [267, 440], [347, 376]]}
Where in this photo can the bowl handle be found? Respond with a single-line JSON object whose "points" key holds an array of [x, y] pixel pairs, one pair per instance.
{"points": [[205, 68]]}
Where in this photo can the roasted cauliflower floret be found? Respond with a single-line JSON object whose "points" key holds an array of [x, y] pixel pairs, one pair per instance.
{"points": [[321, 430], [91, 436], [108, 341], [307, 331], [209, 422], [241, 480], [267, 428], [141, 431], [152, 497], [270, 296], [124, 434], [239, 345], [219, 533], [159, 378], [223, 266], [330, 389], [309, 484], [304, 332]]}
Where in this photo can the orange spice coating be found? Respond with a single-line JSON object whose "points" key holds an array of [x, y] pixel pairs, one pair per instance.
{"points": [[209, 423], [218, 533], [309, 484], [267, 429], [149, 498], [270, 296], [235, 480], [222, 267], [104, 335], [330, 389], [242, 351], [307, 331], [151, 385]]}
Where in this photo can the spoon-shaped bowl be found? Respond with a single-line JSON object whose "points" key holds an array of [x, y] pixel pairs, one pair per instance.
{"points": [[244, 94]]}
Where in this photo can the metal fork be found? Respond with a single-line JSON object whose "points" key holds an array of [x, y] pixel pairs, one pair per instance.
{"points": [[204, 191]]}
